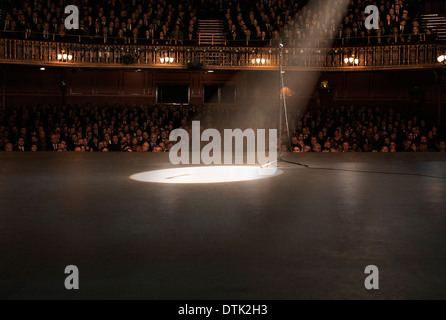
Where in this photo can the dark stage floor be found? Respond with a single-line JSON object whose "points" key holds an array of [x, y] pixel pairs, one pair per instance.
{"points": [[308, 233]]}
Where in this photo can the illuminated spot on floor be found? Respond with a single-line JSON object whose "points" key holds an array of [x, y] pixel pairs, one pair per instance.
{"points": [[208, 174]]}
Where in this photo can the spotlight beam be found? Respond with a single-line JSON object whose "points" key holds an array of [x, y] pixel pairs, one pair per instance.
{"points": [[327, 12]]}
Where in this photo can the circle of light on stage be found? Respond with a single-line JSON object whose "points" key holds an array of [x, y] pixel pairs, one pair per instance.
{"points": [[208, 174]]}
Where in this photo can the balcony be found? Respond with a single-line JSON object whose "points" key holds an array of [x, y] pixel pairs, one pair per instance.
{"points": [[355, 58]]}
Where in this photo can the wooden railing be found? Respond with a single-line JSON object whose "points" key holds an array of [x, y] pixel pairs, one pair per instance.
{"points": [[150, 56]]}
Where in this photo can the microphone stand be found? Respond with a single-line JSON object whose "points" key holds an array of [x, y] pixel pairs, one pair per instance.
{"points": [[282, 98]]}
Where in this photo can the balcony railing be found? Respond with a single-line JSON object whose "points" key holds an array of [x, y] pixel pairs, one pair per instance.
{"points": [[170, 56]]}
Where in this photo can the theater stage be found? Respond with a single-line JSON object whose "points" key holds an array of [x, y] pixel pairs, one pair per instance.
{"points": [[308, 233]]}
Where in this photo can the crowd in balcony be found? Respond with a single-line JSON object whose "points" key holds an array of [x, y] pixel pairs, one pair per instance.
{"points": [[102, 21], [294, 23], [131, 128], [261, 22]]}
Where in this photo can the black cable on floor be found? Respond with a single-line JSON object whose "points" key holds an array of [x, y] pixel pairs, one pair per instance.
{"points": [[380, 172]]}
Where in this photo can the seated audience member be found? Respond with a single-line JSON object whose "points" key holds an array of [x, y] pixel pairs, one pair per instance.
{"points": [[8, 147], [415, 37], [431, 36]]}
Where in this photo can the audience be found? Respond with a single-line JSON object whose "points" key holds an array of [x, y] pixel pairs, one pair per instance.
{"points": [[362, 130], [295, 24], [103, 128], [101, 21], [92, 128], [261, 22]]}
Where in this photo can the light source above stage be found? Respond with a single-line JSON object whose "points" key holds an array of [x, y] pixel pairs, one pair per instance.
{"points": [[207, 174]]}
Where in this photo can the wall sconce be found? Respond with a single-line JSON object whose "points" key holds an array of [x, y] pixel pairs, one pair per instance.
{"points": [[442, 59], [64, 57], [260, 61], [351, 61], [167, 60]]}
